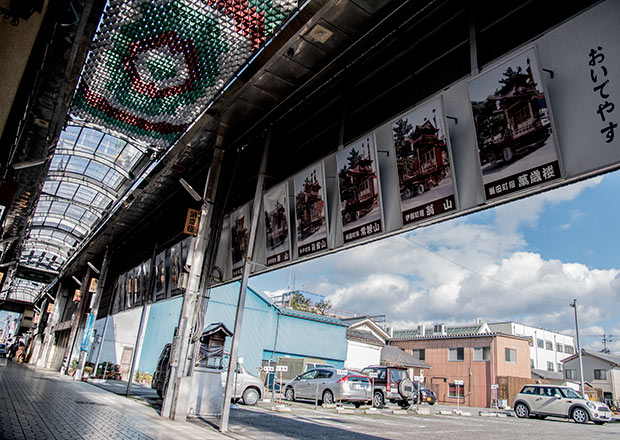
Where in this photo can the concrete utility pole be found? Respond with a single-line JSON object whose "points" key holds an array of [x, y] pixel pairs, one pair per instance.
{"points": [[256, 208], [174, 404], [583, 389]]}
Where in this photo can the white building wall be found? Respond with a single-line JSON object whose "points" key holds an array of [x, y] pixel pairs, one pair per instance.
{"points": [[360, 355], [121, 332], [540, 356]]}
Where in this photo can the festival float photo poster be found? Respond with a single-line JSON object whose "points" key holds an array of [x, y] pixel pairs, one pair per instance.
{"points": [[239, 237], [310, 210], [358, 183], [277, 233], [425, 174], [513, 126]]}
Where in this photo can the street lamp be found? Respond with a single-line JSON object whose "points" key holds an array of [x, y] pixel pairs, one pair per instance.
{"points": [[583, 389]]}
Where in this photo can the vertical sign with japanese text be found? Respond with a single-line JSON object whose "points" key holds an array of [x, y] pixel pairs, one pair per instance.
{"points": [[192, 220]]}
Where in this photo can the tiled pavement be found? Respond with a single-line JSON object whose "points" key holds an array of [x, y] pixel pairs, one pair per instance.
{"points": [[39, 404]]}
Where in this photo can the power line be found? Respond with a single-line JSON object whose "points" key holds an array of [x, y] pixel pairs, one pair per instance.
{"points": [[480, 274]]}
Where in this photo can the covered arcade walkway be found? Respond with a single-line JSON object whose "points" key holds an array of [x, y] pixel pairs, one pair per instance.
{"points": [[40, 404]]}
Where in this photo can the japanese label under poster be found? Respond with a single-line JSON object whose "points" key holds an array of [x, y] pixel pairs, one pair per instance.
{"points": [[239, 237], [360, 202], [425, 176], [513, 126], [310, 210], [277, 237]]}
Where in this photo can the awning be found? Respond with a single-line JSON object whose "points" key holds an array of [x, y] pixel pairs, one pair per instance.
{"points": [[394, 356]]}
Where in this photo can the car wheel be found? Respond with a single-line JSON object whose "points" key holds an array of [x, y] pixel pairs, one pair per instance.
{"points": [[357, 404], [328, 397], [580, 415], [289, 394], [507, 153], [403, 404], [250, 396], [522, 411], [405, 388], [420, 189], [378, 399], [431, 403]]}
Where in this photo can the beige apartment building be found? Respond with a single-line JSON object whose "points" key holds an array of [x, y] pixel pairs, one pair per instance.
{"points": [[470, 354]]}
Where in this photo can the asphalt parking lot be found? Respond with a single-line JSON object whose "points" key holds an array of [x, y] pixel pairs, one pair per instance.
{"points": [[304, 422]]}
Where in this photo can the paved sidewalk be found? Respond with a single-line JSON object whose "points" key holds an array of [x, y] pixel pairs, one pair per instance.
{"points": [[40, 404]]}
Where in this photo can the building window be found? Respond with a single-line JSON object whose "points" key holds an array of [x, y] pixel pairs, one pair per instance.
{"points": [[482, 353], [600, 375], [549, 345], [540, 343], [456, 391], [549, 366], [511, 355], [570, 373], [419, 354], [456, 354], [559, 367], [559, 347], [569, 349]]}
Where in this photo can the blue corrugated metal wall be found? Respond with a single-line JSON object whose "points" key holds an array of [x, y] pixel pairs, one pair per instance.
{"points": [[297, 337], [163, 318]]}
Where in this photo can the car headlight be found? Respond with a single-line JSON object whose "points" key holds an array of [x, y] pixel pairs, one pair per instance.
{"points": [[591, 405]]}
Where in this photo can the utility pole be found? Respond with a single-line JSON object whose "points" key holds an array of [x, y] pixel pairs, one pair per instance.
{"points": [[606, 340], [583, 389]]}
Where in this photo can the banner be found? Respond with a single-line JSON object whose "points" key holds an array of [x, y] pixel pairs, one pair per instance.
{"points": [[160, 276], [310, 210], [514, 132], [277, 236], [88, 331], [358, 183], [175, 268], [423, 160], [239, 237]]}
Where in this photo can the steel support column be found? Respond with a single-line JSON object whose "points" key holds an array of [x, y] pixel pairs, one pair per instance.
{"points": [[180, 345], [256, 209]]}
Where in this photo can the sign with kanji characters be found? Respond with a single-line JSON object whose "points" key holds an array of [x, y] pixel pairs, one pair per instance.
{"points": [[514, 131], [92, 287], [311, 210], [360, 194], [423, 159], [192, 220], [50, 307], [282, 368]]}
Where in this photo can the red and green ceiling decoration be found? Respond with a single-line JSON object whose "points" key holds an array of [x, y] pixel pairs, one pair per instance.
{"points": [[154, 66]]}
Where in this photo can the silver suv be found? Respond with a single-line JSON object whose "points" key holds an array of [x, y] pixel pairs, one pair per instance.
{"points": [[541, 401]]}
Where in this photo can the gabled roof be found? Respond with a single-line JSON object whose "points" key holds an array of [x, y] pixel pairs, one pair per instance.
{"points": [[368, 322], [612, 359], [544, 374], [363, 336]]}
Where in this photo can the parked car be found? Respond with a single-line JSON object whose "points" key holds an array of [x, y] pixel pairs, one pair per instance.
{"points": [[246, 386], [327, 385], [391, 384], [426, 395], [541, 401], [160, 376], [4, 350]]}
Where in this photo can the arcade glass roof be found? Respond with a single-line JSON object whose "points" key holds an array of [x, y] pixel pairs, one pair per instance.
{"points": [[153, 68]]}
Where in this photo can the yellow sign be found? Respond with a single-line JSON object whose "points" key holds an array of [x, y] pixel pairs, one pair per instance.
{"points": [[50, 307], [192, 221], [77, 295]]}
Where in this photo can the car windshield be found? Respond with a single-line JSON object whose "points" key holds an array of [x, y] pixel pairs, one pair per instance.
{"points": [[396, 375]]}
